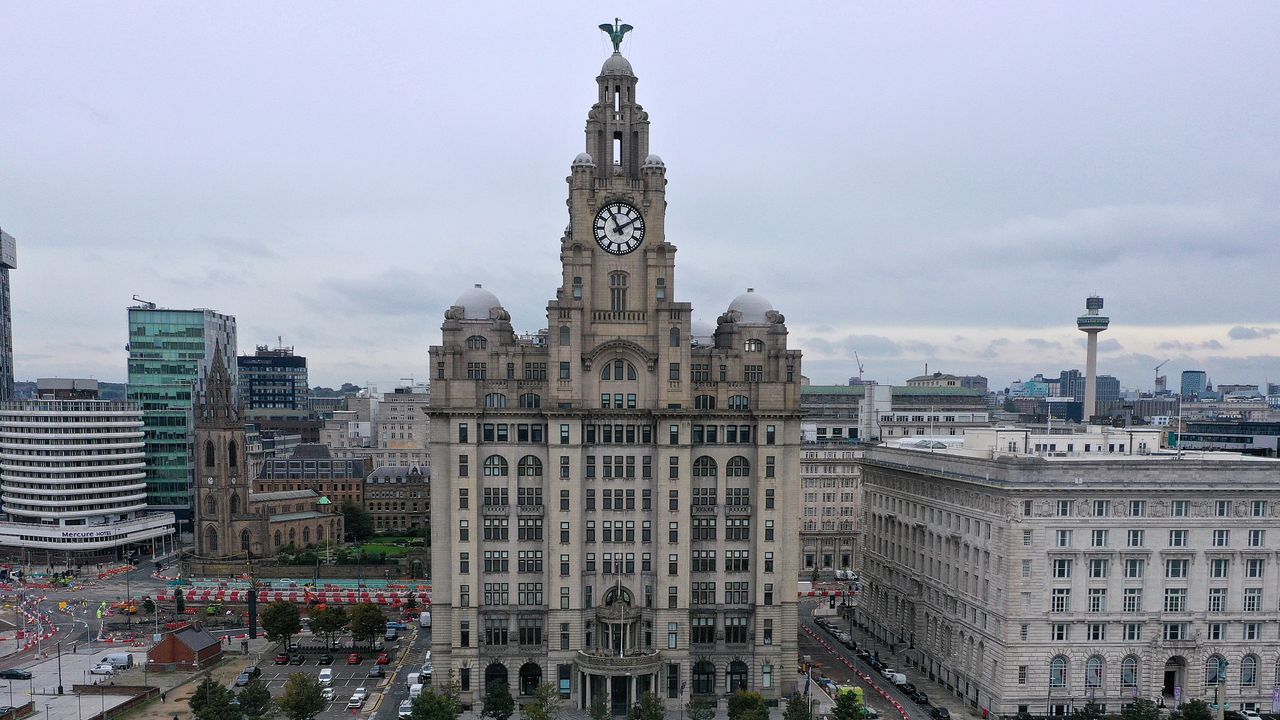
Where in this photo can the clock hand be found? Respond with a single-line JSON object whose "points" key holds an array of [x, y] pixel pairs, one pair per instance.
{"points": [[615, 224], [616, 227]]}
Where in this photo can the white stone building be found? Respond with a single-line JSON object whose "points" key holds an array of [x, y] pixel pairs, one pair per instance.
{"points": [[1034, 572]]}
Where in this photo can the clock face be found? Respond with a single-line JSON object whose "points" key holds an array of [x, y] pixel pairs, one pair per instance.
{"points": [[619, 228]]}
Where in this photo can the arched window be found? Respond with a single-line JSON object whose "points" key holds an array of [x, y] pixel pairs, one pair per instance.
{"points": [[565, 335], [306, 536], [234, 504], [319, 533], [618, 291], [477, 342], [737, 466], [211, 540], [495, 466], [530, 400], [675, 337], [277, 538], [755, 345], [1058, 672], [231, 453], [737, 676], [704, 467], [210, 457], [1129, 672], [210, 504], [704, 402], [530, 678], [618, 370], [529, 466], [1249, 671], [704, 678], [245, 540], [1215, 670], [495, 400], [293, 535], [1093, 671], [739, 402]]}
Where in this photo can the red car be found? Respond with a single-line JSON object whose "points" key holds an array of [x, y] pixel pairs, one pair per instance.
{"points": [[282, 659], [384, 659], [354, 659]]}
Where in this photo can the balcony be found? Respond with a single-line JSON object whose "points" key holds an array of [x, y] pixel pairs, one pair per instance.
{"points": [[737, 509], [640, 662], [618, 316], [704, 509], [495, 510], [532, 510]]}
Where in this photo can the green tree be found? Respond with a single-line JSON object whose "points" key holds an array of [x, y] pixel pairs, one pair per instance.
{"points": [[367, 621], [545, 704], [329, 622], [649, 707], [301, 698], [846, 707], [813, 576], [357, 521], [410, 601], [148, 606], [701, 709], [179, 602], [599, 709], [255, 699], [498, 704], [1196, 709], [281, 621], [1140, 709], [212, 701], [442, 705], [1089, 711], [746, 705], [797, 708]]}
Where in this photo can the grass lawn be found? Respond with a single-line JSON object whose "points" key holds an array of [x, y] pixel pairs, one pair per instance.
{"points": [[387, 550]]}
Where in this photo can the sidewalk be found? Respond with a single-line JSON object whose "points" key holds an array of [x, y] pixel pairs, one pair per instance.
{"points": [[939, 695]]}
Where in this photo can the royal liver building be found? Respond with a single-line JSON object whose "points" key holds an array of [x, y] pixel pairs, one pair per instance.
{"points": [[614, 500]]}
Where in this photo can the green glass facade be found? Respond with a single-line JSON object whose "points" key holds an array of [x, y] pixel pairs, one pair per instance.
{"points": [[170, 352]]}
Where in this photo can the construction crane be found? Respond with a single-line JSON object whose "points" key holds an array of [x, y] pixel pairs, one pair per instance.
{"points": [[859, 361], [1160, 385]]}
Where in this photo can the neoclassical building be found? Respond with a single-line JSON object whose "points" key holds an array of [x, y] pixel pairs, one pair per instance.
{"points": [[614, 503], [231, 519]]}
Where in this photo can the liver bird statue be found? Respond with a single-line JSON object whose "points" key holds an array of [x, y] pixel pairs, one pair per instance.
{"points": [[615, 32]]}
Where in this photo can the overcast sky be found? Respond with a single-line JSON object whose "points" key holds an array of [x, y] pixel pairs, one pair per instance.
{"points": [[938, 183]]}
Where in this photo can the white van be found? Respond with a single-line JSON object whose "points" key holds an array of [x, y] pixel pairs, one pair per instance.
{"points": [[326, 677], [424, 619], [415, 691], [413, 679], [120, 661]]}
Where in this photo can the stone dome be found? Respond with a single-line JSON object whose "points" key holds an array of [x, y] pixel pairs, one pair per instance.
{"points": [[476, 303], [584, 159], [752, 308], [617, 65], [653, 161]]}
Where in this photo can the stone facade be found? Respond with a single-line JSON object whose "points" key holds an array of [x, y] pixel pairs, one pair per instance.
{"points": [[613, 502], [1031, 573]]}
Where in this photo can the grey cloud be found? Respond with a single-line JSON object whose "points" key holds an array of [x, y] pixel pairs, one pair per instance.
{"points": [[1109, 345], [871, 345], [1178, 345], [1042, 344], [1241, 332]]}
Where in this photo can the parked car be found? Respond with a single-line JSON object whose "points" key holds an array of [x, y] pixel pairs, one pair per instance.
{"points": [[362, 693], [325, 659], [252, 671], [326, 677], [297, 660], [1251, 715], [940, 713], [355, 703], [328, 694], [376, 672], [15, 674], [282, 659], [863, 655], [919, 697], [354, 659], [103, 669], [406, 709], [390, 635], [383, 659], [396, 625], [243, 679], [907, 688]]}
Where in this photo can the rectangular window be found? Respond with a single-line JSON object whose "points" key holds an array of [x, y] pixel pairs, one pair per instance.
{"points": [[1179, 508], [1133, 600], [673, 635], [1061, 600], [1177, 538], [1219, 568], [1098, 538], [1064, 508], [673, 372], [1137, 508], [1253, 567], [1060, 632], [1132, 631], [1063, 538], [770, 434], [564, 370], [1221, 538], [1136, 538], [462, 432], [1175, 631], [1257, 537], [464, 469], [1216, 631], [1252, 600], [1133, 567], [1097, 632], [1217, 600], [1252, 631], [1175, 568], [1259, 508], [1097, 600], [1022, 674], [1099, 567], [1223, 508], [564, 434], [1175, 599], [1062, 568]]}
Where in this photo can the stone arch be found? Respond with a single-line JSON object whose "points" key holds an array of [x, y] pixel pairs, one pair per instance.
{"points": [[234, 504], [277, 538], [231, 454], [495, 673], [210, 539], [306, 535], [210, 504], [736, 676], [704, 678], [210, 455], [530, 678]]}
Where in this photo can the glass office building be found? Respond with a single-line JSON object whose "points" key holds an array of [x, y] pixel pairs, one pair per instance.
{"points": [[170, 352]]}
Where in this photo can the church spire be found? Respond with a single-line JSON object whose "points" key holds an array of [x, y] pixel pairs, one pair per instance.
{"points": [[218, 404]]}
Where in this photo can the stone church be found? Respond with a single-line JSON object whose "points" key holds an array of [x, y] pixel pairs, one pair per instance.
{"points": [[232, 521], [615, 500]]}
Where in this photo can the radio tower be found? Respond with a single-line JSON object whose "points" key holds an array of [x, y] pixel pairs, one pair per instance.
{"points": [[1091, 324]]}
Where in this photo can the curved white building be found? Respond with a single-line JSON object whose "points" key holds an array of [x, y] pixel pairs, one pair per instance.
{"points": [[73, 480]]}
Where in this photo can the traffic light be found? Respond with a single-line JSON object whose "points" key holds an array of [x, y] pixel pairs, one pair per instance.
{"points": [[831, 602]]}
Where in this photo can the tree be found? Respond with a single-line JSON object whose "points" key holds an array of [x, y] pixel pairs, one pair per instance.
{"points": [[179, 602], [545, 704], [1140, 709], [797, 708], [148, 606], [442, 705], [357, 521], [498, 704], [255, 699], [1196, 709], [410, 601], [701, 709], [813, 576], [329, 621], [746, 705], [846, 707], [599, 709], [211, 701], [367, 621], [649, 707], [281, 621], [1089, 711], [301, 698]]}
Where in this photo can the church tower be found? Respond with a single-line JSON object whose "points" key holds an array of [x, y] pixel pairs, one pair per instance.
{"points": [[222, 479]]}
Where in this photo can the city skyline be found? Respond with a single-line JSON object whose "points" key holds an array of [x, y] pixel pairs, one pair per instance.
{"points": [[932, 173]]}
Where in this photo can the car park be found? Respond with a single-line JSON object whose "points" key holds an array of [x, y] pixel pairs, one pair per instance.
{"points": [[396, 625], [376, 672], [326, 677], [355, 703], [354, 659], [15, 674], [281, 659], [383, 659], [252, 671], [243, 679], [325, 659], [103, 669], [940, 713]]}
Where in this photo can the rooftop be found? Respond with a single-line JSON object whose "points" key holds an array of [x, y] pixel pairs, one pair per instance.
{"points": [[282, 495]]}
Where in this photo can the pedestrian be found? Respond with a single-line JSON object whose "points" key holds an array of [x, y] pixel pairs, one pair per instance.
{"points": [[162, 696]]}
